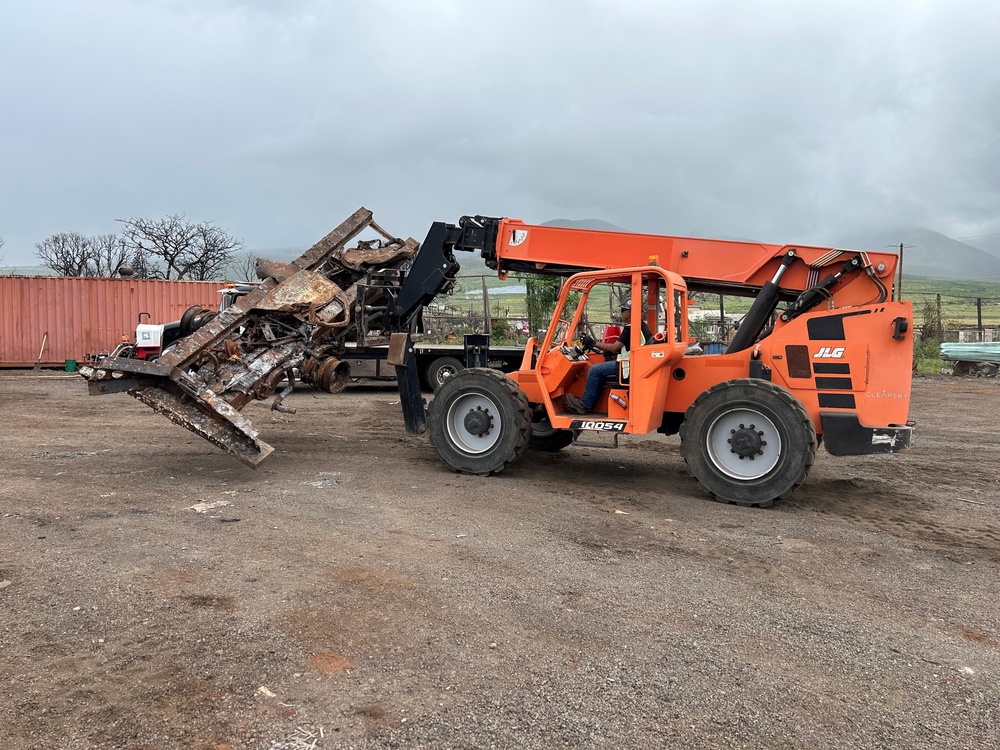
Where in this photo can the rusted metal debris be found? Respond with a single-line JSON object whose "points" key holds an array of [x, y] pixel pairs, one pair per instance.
{"points": [[299, 320]]}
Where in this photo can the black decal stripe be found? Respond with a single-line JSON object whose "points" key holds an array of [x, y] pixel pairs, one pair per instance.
{"points": [[830, 327], [831, 368], [834, 384], [836, 401]]}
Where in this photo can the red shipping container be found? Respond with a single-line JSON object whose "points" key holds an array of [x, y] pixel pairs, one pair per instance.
{"points": [[86, 316]]}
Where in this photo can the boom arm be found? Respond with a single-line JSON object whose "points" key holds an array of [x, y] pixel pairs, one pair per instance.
{"points": [[716, 266]]}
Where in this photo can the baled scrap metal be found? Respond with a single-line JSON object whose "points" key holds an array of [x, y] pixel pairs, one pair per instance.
{"points": [[299, 318]]}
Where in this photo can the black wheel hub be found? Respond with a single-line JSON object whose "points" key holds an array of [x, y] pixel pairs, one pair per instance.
{"points": [[478, 422], [747, 442]]}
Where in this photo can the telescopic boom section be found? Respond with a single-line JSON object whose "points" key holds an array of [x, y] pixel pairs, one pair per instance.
{"points": [[715, 266]]}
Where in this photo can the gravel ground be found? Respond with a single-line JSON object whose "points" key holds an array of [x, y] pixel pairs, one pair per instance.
{"points": [[353, 593]]}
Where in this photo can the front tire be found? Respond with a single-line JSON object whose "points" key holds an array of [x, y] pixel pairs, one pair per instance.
{"points": [[748, 442], [479, 421]]}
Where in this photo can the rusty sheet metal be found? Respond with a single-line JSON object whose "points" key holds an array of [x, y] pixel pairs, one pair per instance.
{"points": [[299, 320], [301, 290], [209, 417], [86, 316]]}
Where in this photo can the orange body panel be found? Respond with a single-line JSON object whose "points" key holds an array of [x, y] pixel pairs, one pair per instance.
{"points": [[866, 372]]}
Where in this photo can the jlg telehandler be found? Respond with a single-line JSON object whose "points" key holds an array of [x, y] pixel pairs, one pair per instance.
{"points": [[834, 364]]}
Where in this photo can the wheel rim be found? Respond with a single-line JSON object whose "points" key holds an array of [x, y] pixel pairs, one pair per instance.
{"points": [[445, 372], [474, 423], [744, 444]]}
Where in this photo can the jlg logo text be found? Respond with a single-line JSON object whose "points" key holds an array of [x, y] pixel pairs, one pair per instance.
{"points": [[829, 352]]}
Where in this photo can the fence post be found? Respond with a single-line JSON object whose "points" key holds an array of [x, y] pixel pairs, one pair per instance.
{"points": [[488, 327]]}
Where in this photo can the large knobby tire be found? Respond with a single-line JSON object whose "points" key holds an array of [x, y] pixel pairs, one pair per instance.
{"points": [[440, 370], [545, 437], [479, 421], [748, 442]]}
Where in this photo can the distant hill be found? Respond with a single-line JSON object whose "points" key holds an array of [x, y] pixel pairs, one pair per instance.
{"points": [[932, 254], [26, 271], [280, 254], [989, 244]]}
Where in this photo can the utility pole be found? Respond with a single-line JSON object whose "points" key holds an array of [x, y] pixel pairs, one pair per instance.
{"points": [[899, 286]]}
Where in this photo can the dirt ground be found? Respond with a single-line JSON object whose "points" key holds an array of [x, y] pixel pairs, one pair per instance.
{"points": [[353, 592]]}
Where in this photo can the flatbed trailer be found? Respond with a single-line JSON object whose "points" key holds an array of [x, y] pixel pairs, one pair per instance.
{"points": [[435, 362]]}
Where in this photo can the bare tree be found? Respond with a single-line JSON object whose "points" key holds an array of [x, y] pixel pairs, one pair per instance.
{"points": [[67, 253], [109, 254], [74, 254], [174, 248], [1, 248], [244, 267], [143, 264]]}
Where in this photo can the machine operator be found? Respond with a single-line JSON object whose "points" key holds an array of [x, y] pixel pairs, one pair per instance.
{"points": [[597, 373]]}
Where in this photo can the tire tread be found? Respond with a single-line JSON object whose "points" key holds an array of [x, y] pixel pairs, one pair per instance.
{"points": [[517, 397], [802, 418]]}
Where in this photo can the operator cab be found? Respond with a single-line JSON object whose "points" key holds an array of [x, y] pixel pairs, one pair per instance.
{"points": [[588, 307]]}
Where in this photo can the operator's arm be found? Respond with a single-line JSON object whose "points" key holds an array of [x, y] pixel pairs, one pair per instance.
{"points": [[618, 344], [608, 348]]}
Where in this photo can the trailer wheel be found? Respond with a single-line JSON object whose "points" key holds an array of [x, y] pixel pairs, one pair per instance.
{"points": [[748, 442], [440, 370], [479, 421], [545, 437]]}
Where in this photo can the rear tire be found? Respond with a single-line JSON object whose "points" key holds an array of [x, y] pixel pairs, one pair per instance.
{"points": [[479, 421], [440, 370], [748, 442]]}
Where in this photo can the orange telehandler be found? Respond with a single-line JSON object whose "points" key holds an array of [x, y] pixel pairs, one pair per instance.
{"points": [[833, 365]]}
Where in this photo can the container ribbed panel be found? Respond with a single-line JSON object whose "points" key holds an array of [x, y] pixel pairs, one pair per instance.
{"points": [[86, 316]]}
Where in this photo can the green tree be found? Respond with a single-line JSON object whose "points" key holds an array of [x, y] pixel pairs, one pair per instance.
{"points": [[541, 293]]}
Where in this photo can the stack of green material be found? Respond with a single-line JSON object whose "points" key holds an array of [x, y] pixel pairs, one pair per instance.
{"points": [[976, 352]]}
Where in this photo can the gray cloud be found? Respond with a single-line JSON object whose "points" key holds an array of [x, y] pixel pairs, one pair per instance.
{"points": [[783, 121]]}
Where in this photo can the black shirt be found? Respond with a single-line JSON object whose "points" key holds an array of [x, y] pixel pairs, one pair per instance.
{"points": [[625, 337]]}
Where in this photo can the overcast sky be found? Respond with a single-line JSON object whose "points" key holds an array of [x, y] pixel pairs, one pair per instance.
{"points": [[780, 121]]}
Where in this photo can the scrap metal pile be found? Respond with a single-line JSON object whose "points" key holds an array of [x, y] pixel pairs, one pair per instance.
{"points": [[299, 320]]}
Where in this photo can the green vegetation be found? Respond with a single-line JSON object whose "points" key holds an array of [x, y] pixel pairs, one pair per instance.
{"points": [[958, 300], [926, 357], [942, 307]]}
